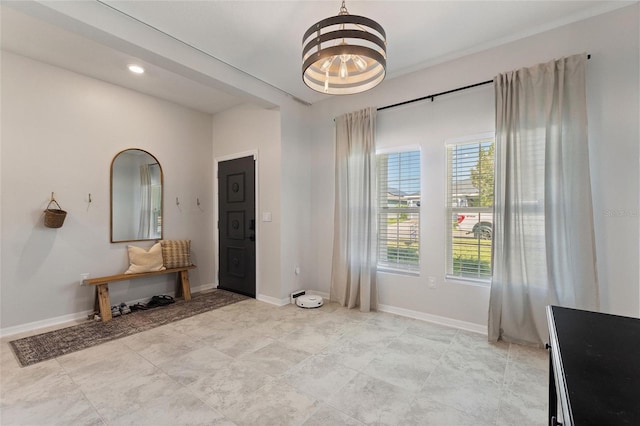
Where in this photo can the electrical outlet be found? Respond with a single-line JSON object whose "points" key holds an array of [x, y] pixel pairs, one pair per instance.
{"points": [[432, 282], [84, 277]]}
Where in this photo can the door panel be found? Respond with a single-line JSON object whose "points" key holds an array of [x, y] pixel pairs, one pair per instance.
{"points": [[236, 226]]}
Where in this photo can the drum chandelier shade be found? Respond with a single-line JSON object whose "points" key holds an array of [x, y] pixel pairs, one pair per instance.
{"points": [[344, 54]]}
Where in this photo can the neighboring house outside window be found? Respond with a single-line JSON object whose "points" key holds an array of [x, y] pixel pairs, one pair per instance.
{"points": [[399, 200], [470, 180]]}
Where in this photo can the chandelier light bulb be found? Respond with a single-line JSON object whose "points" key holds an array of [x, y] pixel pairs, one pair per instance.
{"points": [[360, 63], [344, 73], [327, 63]]}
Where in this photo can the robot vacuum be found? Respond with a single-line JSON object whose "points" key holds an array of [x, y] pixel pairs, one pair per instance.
{"points": [[309, 301]]}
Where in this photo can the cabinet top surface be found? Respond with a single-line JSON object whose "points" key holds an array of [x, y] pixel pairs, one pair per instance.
{"points": [[600, 357]]}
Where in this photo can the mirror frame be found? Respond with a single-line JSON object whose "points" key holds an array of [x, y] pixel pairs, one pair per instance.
{"points": [[111, 196]]}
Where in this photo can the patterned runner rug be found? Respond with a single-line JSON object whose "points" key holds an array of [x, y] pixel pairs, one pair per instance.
{"points": [[41, 347]]}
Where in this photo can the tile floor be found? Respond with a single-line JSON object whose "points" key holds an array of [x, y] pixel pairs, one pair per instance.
{"points": [[252, 363]]}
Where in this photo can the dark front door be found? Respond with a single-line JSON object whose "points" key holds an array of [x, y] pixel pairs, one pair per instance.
{"points": [[237, 226]]}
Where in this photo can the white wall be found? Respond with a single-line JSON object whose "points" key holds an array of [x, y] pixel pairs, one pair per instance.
{"points": [[296, 201], [253, 129], [281, 139], [612, 86], [429, 125], [60, 131]]}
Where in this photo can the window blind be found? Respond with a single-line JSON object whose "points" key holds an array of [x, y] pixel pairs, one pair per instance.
{"points": [[470, 183], [399, 198]]}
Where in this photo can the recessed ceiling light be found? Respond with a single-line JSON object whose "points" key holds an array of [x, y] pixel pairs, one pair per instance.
{"points": [[137, 69]]}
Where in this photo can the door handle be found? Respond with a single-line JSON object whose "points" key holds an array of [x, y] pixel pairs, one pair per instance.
{"points": [[252, 237]]}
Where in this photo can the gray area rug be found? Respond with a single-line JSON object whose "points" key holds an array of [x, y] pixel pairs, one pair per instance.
{"points": [[41, 347]]}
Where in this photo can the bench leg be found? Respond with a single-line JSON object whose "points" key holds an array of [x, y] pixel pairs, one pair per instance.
{"points": [[104, 302], [186, 288]]}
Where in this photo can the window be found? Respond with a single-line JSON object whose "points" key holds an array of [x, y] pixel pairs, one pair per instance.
{"points": [[399, 211], [470, 207]]}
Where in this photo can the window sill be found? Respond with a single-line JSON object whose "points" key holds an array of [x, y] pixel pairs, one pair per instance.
{"points": [[467, 281], [398, 272]]}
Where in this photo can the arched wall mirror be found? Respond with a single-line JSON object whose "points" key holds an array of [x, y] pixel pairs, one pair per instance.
{"points": [[136, 196]]}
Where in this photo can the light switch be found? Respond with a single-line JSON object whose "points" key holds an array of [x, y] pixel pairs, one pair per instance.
{"points": [[266, 216]]}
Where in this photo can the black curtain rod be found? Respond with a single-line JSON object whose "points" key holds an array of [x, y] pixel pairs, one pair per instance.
{"points": [[435, 95], [432, 97]]}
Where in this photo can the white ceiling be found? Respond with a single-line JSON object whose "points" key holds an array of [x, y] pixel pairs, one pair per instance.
{"points": [[263, 38]]}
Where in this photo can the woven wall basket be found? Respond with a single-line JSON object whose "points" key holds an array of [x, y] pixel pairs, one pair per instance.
{"points": [[54, 218]]}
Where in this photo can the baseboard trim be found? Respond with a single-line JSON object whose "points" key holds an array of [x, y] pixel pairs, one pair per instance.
{"points": [[50, 322], [436, 319], [203, 287], [272, 300], [322, 294], [450, 322], [70, 318]]}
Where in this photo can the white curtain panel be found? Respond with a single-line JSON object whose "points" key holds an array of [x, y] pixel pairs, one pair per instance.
{"points": [[353, 275], [146, 214], [543, 248]]}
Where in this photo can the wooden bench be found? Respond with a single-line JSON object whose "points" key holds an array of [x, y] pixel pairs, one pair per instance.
{"points": [[103, 301]]}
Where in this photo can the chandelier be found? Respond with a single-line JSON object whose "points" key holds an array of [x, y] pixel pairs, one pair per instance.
{"points": [[344, 54]]}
